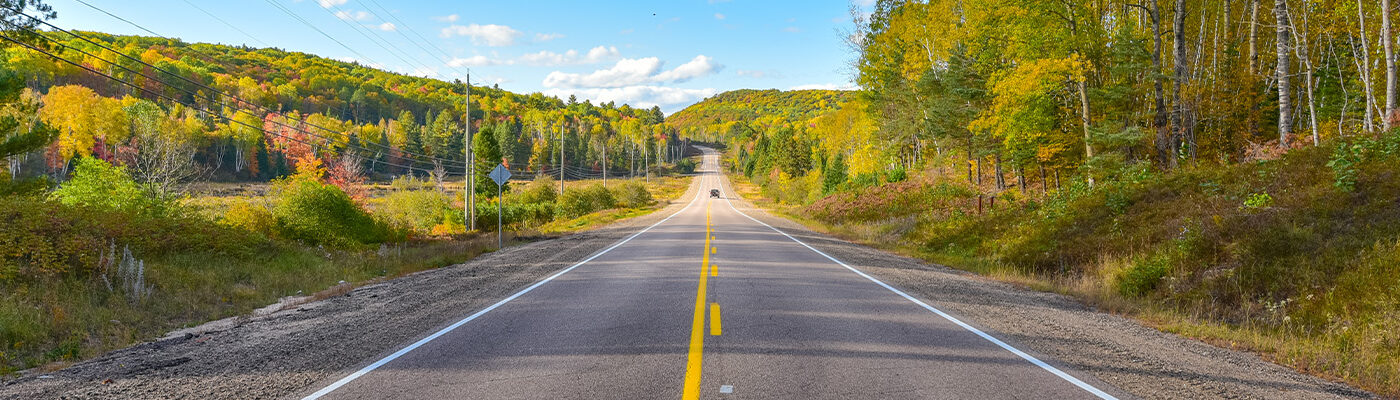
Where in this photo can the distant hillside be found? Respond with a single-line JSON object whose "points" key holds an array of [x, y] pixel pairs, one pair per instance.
{"points": [[751, 105]]}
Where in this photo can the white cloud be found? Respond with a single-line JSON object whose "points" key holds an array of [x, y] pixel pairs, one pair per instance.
{"points": [[545, 37], [448, 18], [387, 27], [627, 31], [824, 86], [331, 3], [698, 67], [627, 72], [352, 16], [475, 61], [489, 35], [571, 57], [792, 29], [719, 16], [642, 96], [633, 72]]}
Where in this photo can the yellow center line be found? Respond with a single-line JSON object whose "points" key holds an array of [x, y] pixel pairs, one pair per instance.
{"points": [[714, 319], [697, 324]]}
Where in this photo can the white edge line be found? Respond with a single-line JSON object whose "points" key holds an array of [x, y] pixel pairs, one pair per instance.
{"points": [[367, 369], [950, 318]]}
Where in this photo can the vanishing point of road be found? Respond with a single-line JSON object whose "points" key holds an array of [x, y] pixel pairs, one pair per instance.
{"points": [[711, 303]]}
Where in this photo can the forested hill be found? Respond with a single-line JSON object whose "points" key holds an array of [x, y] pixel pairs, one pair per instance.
{"points": [[752, 105], [252, 112]]}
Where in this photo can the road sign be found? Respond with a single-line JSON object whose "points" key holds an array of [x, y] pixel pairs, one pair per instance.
{"points": [[501, 175]]}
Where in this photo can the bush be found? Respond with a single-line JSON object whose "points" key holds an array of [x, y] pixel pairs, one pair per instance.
{"points": [[541, 191], [251, 217], [42, 239], [317, 213], [410, 182], [101, 185], [633, 194], [576, 203], [416, 210], [686, 166]]}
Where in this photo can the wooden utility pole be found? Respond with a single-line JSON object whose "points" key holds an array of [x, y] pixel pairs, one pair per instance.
{"points": [[469, 180]]}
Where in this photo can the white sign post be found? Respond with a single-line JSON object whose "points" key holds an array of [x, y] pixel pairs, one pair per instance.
{"points": [[501, 175]]}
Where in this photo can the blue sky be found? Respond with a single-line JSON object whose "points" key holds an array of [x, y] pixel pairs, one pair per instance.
{"points": [[644, 53]]}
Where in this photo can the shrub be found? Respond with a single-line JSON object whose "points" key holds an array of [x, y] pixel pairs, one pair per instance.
{"points": [[685, 166], [410, 182], [633, 194], [317, 213], [1142, 276], [896, 175], [101, 185], [251, 217], [576, 203], [416, 210], [541, 191], [1258, 200]]}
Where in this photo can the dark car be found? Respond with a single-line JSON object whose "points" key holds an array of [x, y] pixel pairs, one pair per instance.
{"points": [[714, 193]]}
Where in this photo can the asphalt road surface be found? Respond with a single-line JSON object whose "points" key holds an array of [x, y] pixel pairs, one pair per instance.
{"points": [[710, 303]]}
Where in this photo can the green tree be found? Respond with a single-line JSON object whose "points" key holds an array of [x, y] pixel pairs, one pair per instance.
{"points": [[488, 155]]}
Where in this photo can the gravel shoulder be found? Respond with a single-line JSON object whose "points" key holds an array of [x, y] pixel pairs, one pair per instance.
{"points": [[279, 354], [1122, 352]]}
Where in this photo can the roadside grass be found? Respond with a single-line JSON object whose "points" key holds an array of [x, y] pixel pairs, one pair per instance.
{"points": [[76, 307], [1271, 257]]}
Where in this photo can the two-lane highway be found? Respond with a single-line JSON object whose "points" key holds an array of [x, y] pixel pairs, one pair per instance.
{"points": [[710, 303]]}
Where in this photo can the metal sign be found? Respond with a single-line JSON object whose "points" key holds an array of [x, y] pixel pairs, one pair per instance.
{"points": [[501, 175]]}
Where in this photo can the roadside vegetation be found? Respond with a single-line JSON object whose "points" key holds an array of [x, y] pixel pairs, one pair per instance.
{"points": [[1147, 158]]}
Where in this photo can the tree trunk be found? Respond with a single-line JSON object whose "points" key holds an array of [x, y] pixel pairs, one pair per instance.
{"points": [[1182, 71], [1084, 119], [1365, 71], [1389, 44], [1159, 122], [1044, 180], [1021, 178], [1253, 36], [1303, 54], [1285, 104]]}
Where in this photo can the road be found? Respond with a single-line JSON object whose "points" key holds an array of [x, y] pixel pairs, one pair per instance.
{"points": [[711, 303]]}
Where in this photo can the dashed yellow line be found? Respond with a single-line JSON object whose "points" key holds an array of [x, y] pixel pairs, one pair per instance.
{"points": [[694, 360], [714, 319]]}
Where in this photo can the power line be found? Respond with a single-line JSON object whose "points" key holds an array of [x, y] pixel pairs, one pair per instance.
{"points": [[359, 29]]}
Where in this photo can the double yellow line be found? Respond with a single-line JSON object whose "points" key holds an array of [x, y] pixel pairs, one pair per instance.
{"points": [[694, 361]]}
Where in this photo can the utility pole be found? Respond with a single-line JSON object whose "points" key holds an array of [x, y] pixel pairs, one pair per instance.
{"points": [[561, 160], [469, 180], [605, 160]]}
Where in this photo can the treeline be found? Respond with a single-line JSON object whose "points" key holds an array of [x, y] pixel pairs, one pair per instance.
{"points": [[253, 114], [709, 118], [1011, 88]]}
